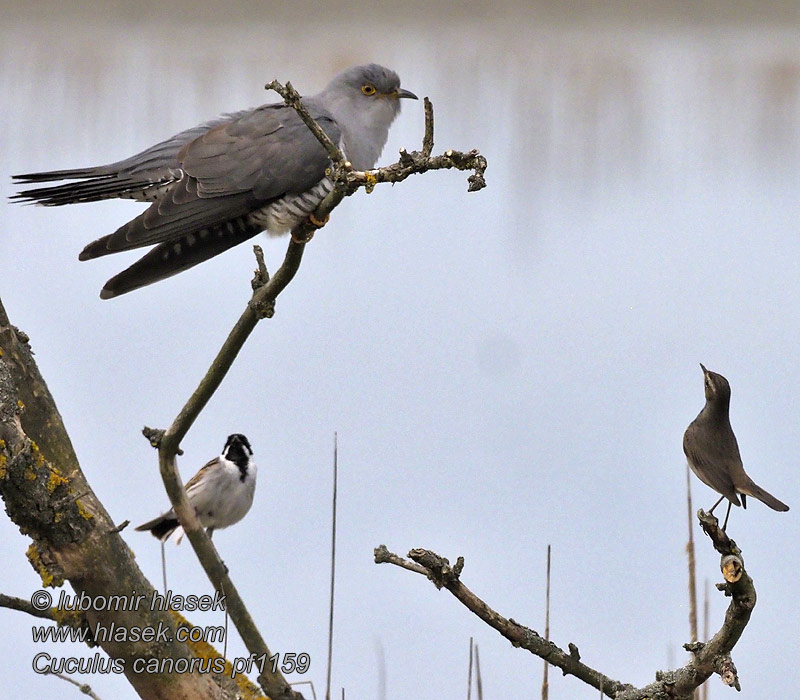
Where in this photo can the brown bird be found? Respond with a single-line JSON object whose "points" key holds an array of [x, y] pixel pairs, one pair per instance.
{"points": [[713, 453]]}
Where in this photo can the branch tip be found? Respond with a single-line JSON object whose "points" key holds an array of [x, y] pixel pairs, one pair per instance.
{"points": [[427, 139], [724, 666], [120, 527], [153, 435], [261, 275]]}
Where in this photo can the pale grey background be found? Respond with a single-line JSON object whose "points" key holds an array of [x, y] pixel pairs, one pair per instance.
{"points": [[505, 369]]}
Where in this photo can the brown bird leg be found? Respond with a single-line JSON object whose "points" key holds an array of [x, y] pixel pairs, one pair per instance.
{"points": [[715, 505], [725, 524]]}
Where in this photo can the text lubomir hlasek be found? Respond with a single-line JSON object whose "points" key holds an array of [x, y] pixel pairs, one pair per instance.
{"points": [[134, 601]]}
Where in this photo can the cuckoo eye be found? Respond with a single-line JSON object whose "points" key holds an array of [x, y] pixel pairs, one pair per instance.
{"points": [[368, 89]]}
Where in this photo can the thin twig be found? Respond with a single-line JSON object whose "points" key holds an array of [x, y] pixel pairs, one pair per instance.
{"points": [[225, 642], [427, 139], [478, 679], [469, 672], [292, 98], [439, 571], [692, 567], [309, 683], [13, 603], [692, 564], [85, 688], [704, 687], [545, 688], [120, 527], [164, 565], [333, 564], [384, 556]]}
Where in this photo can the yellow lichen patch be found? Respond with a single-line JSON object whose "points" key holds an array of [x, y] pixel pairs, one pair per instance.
{"points": [[204, 650], [37, 454], [371, 182], [72, 618], [38, 564], [3, 462], [20, 405], [83, 511], [55, 480]]}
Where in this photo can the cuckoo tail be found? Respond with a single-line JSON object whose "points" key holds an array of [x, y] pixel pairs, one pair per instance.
{"points": [[92, 190], [172, 257], [53, 175], [756, 491]]}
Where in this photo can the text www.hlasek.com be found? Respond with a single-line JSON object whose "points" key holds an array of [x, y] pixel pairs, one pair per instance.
{"points": [[288, 662]]}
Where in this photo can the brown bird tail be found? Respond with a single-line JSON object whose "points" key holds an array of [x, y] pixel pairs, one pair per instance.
{"points": [[756, 491]]}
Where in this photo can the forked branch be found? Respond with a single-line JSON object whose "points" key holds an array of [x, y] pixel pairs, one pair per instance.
{"points": [[261, 305], [713, 656]]}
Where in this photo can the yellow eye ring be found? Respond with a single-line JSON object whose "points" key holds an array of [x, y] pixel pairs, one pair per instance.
{"points": [[368, 89]]}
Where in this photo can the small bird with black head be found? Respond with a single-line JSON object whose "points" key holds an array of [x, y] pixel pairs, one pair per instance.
{"points": [[221, 492]]}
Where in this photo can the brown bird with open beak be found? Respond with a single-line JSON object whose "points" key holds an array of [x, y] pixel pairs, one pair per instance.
{"points": [[713, 453]]}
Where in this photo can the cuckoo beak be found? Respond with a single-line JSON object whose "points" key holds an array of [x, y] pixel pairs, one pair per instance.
{"points": [[406, 93]]}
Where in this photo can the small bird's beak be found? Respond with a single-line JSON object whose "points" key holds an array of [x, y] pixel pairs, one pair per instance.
{"points": [[406, 93], [703, 367]]}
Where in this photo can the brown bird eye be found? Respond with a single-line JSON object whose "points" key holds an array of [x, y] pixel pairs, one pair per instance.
{"points": [[368, 89]]}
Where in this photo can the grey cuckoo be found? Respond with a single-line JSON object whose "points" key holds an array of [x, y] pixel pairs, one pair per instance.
{"points": [[221, 183], [713, 453]]}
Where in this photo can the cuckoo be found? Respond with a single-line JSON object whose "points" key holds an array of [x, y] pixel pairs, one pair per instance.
{"points": [[221, 183]]}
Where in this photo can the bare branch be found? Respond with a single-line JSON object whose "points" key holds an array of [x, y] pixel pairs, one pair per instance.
{"points": [[469, 671], [171, 439], [13, 603], [292, 98], [691, 561], [384, 556], [70, 618], [47, 496], [478, 678], [85, 688], [260, 279], [439, 571], [709, 657], [333, 564], [261, 305], [427, 139], [545, 680]]}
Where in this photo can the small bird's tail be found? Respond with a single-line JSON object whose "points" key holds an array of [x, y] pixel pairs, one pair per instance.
{"points": [[754, 490], [161, 527]]}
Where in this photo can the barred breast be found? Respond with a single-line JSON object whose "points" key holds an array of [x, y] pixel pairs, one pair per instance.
{"points": [[284, 214]]}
